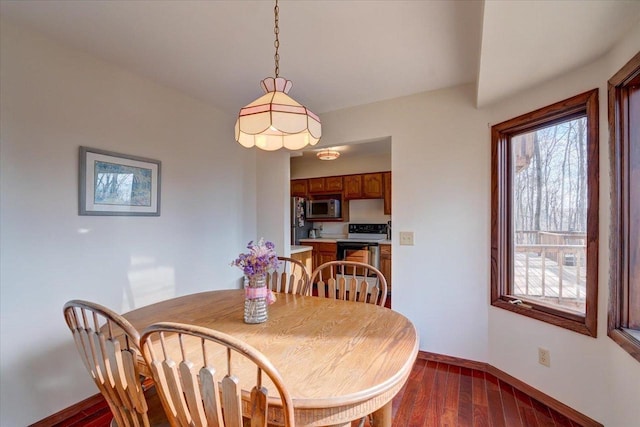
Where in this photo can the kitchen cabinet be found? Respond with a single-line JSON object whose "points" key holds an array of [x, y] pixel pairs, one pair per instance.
{"points": [[323, 252], [363, 186], [372, 186], [333, 183], [306, 258], [299, 188], [385, 264], [375, 185], [386, 177], [325, 184], [352, 187]]}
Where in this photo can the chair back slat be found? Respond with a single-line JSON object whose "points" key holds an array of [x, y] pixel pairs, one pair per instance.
{"points": [[189, 379], [111, 360], [231, 401], [259, 406], [352, 281], [321, 288], [174, 391], [210, 399], [291, 277], [332, 287]]}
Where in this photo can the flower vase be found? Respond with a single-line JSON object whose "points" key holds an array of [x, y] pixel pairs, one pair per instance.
{"points": [[255, 299]]}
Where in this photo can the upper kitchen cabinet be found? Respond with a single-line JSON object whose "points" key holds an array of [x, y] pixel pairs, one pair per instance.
{"points": [[353, 187], [299, 188], [363, 186], [372, 186], [386, 177], [325, 184]]}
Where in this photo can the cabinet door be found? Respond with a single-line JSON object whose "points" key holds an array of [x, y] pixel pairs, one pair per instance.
{"points": [[316, 185], [387, 192], [353, 187], [385, 264], [326, 257], [333, 183], [323, 252], [372, 185], [299, 187]]}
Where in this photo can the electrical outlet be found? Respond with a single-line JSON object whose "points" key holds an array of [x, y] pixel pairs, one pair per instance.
{"points": [[544, 358], [406, 238]]}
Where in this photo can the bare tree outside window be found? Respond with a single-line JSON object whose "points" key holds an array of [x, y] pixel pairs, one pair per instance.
{"points": [[550, 216]]}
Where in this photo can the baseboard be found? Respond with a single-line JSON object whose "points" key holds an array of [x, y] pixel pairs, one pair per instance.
{"points": [[70, 412], [549, 401]]}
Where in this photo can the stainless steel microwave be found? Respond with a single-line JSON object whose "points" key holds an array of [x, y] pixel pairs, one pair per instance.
{"points": [[323, 209]]}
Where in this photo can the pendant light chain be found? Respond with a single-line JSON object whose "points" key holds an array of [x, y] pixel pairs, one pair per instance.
{"points": [[276, 30]]}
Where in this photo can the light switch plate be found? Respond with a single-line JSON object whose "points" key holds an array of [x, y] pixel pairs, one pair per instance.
{"points": [[406, 238]]}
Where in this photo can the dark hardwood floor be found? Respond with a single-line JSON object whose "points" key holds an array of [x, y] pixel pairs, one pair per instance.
{"points": [[437, 394]]}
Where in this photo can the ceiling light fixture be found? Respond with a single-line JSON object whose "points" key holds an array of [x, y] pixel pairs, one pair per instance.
{"points": [[276, 120], [328, 154]]}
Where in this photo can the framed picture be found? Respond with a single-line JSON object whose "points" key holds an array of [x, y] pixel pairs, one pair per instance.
{"points": [[118, 184]]}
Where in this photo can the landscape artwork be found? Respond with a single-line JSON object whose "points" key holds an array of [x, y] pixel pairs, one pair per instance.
{"points": [[118, 184]]}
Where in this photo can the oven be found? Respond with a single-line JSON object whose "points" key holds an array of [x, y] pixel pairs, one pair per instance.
{"points": [[365, 252], [362, 244]]}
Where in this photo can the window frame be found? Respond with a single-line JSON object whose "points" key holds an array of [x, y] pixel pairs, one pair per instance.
{"points": [[619, 242], [501, 224]]}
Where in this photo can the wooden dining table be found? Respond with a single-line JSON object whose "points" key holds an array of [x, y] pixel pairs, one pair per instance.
{"points": [[340, 360]]}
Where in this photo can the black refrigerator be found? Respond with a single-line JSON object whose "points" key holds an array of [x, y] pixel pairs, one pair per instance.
{"points": [[299, 225]]}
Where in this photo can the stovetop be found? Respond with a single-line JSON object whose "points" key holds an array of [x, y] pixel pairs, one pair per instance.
{"points": [[367, 232]]}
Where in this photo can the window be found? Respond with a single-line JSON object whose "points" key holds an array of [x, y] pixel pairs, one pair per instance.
{"points": [[624, 143], [544, 214]]}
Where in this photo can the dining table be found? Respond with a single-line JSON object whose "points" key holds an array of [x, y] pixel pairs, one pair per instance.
{"points": [[340, 360]]}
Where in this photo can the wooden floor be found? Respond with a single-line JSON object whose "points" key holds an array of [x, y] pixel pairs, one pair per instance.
{"points": [[437, 394]]}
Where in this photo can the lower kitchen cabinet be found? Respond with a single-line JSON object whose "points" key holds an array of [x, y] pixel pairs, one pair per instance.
{"points": [[305, 258], [323, 252], [385, 264]]}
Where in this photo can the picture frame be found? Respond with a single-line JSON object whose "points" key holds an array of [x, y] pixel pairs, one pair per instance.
{"points": [[118, 184]]}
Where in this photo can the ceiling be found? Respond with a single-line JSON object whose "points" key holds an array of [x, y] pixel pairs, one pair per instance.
{"points": [[337, 53]]}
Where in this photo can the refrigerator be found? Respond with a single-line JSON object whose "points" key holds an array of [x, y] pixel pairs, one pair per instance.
{"points": [[299, 225]]}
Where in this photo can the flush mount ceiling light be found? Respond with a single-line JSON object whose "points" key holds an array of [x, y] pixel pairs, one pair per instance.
{"points": [[328, 154], [275, 120]]}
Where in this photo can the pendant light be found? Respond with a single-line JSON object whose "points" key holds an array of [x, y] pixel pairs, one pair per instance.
{"points": [[275, 120]]}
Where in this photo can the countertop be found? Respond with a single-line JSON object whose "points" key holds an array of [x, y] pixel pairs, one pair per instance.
{"points": [[296, 249], [335, 240]]}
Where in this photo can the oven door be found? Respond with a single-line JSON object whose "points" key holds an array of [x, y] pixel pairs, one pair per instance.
{"points": [[365, 252]]}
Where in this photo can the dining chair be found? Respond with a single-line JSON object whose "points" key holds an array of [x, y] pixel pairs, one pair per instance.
{"points": [[194, 370], [109, 346], [291, 277], [349, 281]]}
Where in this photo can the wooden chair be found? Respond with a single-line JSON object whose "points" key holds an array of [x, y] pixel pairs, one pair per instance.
{"points": [[111, 361], [198, 393], [350, 281], [292, 277]]}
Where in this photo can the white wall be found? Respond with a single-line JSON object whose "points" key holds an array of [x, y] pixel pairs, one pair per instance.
{"points": [[311, 168], [441, 192], [52, 101], [273, 199], [440, 186]]}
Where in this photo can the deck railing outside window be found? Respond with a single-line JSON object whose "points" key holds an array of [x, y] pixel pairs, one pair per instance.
{"points": [[549, 267]]}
